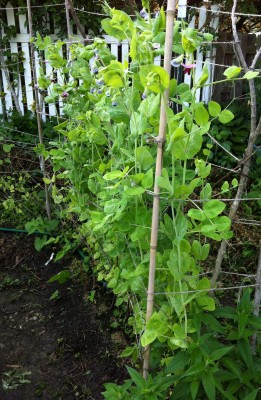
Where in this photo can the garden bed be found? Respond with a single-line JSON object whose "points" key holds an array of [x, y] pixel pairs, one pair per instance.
{"points": [[65, 347]]}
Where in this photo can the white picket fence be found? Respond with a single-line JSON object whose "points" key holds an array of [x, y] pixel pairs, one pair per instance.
{"points": [[24, 82]]}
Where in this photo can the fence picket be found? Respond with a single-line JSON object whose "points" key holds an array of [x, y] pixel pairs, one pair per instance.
{"points": [[199, 56], [182, 9], [26, 63], [210, 58], [14, 50], [124, 51], [8, 96]]}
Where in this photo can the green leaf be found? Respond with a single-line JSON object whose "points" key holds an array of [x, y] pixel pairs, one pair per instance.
{"points": [[203, 170], [232, 72], [40, 242], [203, 78], [255, 321], [136, 377], [214, 108], [212, 323], [206, 192], [133, 45], [245, 351], [128, 351], [144, 158], [7, 147], [201, 115], [111, 206], [200, 252], [224, 392], [187, 147], [154, 103], [178, 134], [225, 312], [154, 78], [156, 323], [164, 183], [110, 176], [252, 395], [148, 337], [147, 181], [242, 320], [208, 36], [119, 25], [234, 183], [225, 116], [178, 362], [251, 75], [179, 331], [212, 208], [225, 187], [194, 386], [195, 369], [206, 303], [232, 366], [217, 354], [181, 343], [172, 87], [135, 191], [181, 227], [112, 283], [222, 223], [61, 277], [194, 213], [209, 385]]}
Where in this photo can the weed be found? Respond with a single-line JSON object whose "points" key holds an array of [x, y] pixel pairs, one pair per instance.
{"points": [[14, 378]]}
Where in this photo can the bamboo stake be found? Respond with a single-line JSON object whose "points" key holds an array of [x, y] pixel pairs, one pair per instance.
{"points": [[156, 200], [69, 33], [38, 111]]}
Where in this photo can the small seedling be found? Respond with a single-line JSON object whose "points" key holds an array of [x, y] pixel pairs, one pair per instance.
{"points": [[13, 379]]}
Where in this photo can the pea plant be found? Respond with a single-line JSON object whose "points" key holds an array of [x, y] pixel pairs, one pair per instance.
{"points": [[103, 174]]}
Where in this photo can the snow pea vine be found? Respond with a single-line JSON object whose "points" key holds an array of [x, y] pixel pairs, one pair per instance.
{"points": [[103, 174]]}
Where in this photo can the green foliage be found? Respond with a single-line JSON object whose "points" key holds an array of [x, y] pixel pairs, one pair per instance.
{"points": [[233, 136], [18, 198], [154, 388], [102, 160]]}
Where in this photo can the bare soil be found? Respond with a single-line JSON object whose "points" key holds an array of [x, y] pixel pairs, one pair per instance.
{"points": [[65, 347]]}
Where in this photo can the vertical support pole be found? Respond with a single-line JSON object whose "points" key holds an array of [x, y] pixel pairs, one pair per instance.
{"points": [[69, 33], [38, 116], [156, 200]]}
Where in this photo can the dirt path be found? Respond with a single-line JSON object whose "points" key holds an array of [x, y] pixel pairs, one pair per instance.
{"points": [[65, 346]]}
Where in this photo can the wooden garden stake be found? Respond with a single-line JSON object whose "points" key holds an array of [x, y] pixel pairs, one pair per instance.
{"points": [[38, 111], [68, 18], [156, 200], [69, 33]]}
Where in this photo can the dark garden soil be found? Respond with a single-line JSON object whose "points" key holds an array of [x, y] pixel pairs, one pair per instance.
{"points": [[65, 347]]}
